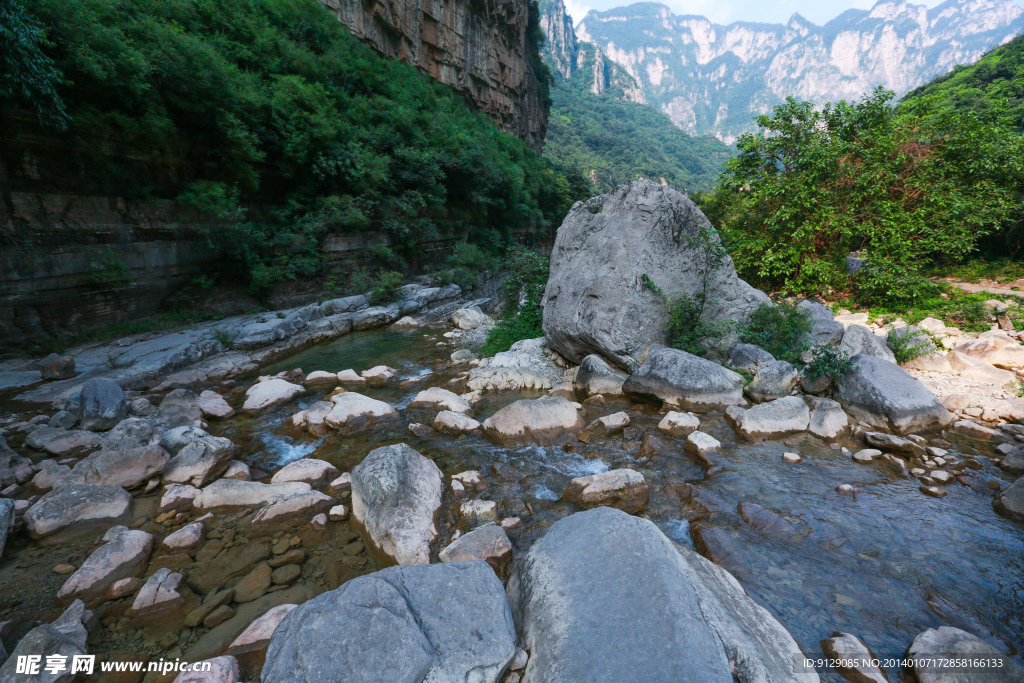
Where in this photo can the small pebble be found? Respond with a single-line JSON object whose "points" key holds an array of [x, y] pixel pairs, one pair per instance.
{"points": [[933, 491], [791, 457], [63, 569]]}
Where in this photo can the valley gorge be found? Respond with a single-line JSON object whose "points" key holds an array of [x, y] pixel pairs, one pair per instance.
{"points": [[712, 79]]}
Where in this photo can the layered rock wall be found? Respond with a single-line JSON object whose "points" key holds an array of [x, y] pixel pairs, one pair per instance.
{"points": [[478, 48]]}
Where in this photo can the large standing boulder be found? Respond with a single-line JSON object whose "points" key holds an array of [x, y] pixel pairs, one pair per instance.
{"points": [[72, 508], [100, 405], [123, 556], [541, 421], [439, 622], [595, 376], [65, 637], [396, 498], [683, 380], [884, 395], [609, 248], [581, 616]]}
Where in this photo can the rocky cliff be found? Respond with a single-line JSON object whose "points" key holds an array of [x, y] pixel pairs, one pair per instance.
{"points": [[713, 79], [566, 57], [480, 49]]}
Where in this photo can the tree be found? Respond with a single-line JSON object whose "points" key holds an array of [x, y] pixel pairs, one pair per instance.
{"points": [[903, 188], [28, 77]]}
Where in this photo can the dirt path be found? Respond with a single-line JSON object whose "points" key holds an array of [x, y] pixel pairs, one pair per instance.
{"points": [[991, 288]]}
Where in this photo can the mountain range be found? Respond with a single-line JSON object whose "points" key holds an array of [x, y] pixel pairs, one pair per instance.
{"points": [[713, 80]]}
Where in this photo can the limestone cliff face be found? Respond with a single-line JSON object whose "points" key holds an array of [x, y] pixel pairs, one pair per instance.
{"points": [[566, 56], [478, 48], [713, 79]]}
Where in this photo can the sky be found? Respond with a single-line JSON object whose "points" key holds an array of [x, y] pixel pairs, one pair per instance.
{"points": [[728, 11]]}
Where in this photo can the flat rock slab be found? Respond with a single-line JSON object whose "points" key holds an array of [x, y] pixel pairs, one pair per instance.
{"points": [[73, 509], [123, 556], [775, 418], [489, 543], [542, 421], [683, 380], [436, 398], [263, 396], [438, 622], [396, 497], [884, 395], [624, 489], [575, 601], [126, 468]]}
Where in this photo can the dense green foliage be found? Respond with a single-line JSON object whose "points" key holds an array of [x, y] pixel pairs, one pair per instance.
{"points": [[285, 128], [690, 327], [779, 329], [904, 189], [613, 141], [28, 77], [521, 296], [995, 83], [828, 361]]}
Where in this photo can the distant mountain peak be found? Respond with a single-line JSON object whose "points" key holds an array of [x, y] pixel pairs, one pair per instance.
{"points": [[714, 79]]}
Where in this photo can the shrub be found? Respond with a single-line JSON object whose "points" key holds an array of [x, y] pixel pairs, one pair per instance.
{"points": [[689, 328], [892, 284], [781, 330], [829, 362], [907, 346], [386, 289], [521, 295]]}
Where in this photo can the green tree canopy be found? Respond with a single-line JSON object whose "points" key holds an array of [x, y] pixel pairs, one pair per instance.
{"points": [[905, 189]]}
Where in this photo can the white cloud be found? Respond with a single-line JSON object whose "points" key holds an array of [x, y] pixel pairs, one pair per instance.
{"points": [[576, 10]]}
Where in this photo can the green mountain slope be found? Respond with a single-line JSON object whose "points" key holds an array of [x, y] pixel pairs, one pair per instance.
{"points": [[994, 81], [270, 115], [613, 141]]}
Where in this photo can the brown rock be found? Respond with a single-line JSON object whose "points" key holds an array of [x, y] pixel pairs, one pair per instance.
{"points": [[254, 584], [218, 616]]}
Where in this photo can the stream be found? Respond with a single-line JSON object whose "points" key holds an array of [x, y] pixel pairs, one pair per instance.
{"points": [[883, 565]]}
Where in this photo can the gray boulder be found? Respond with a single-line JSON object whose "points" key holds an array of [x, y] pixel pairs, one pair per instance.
{"points": [[127, 468], [57, 367], [946, 642], [130, 433], [825, 331], [65, 637], [1011, 501], [73, 509], [200, 462], [438, 622], [595, 376], [396, 498], [884, 395], [543, 421], [828, 419], [774, 380], [597, 298], [14, 468], [173, 440], [101, 405], [684, 380], [582, 617], [774, 418], [6, 520], [62, 419], [860, 340], [748, 357]]}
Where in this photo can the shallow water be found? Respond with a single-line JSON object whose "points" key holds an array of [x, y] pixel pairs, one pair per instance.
{"points": [[884, 564]]}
